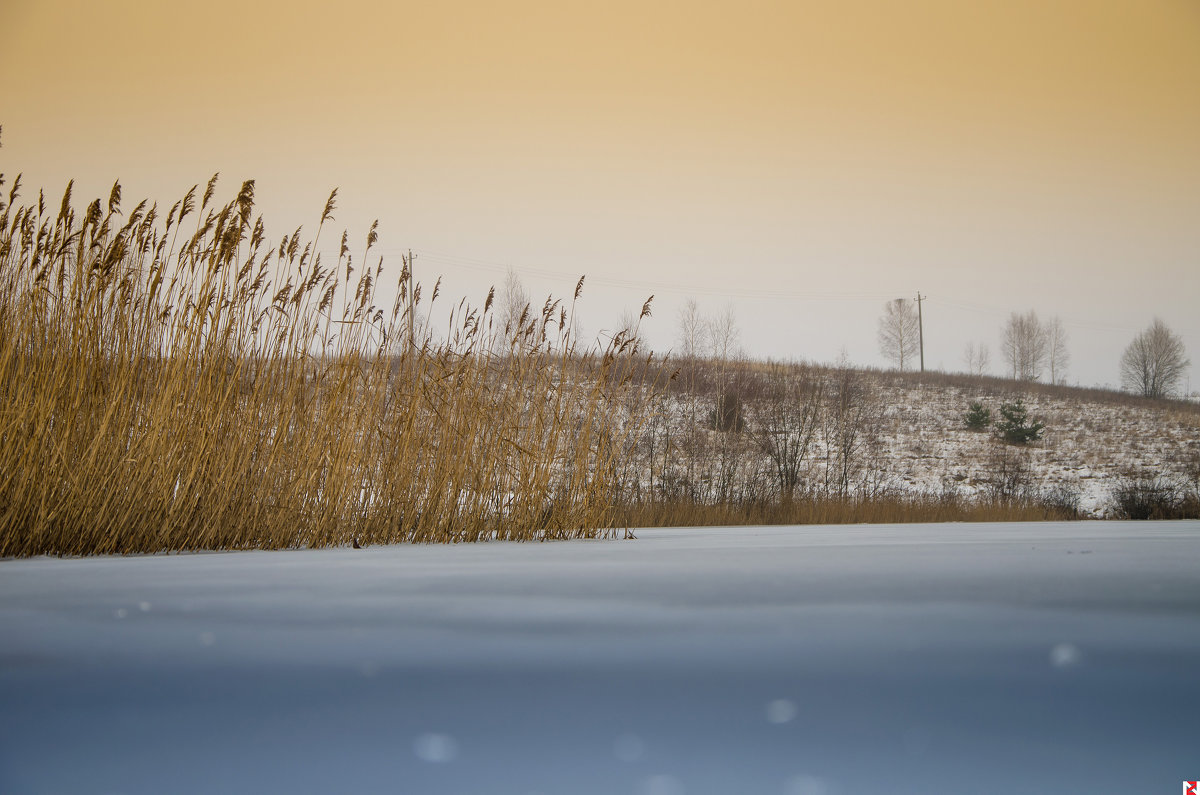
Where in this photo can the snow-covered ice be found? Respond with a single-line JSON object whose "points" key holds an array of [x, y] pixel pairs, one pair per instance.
{"points": [[917, 658]]}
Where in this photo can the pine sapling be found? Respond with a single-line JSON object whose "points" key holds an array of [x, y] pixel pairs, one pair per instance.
{"points": [[1015, 425]]}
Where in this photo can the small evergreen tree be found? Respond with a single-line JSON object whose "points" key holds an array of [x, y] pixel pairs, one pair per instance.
{"points": [[727, 416], [977, 417], [1015, 426]]}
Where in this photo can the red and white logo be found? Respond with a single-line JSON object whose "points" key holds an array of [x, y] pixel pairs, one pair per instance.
{"points": [[1191, 788]]}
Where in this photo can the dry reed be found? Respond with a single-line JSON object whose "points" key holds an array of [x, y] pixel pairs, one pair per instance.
{"points": [[180, 383]]}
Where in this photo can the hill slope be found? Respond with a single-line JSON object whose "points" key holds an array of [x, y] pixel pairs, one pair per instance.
{"points": [[732, 432]]}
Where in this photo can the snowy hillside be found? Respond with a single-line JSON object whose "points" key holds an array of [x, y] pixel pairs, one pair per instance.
{"points": [[859, 434], [1091, 441]]}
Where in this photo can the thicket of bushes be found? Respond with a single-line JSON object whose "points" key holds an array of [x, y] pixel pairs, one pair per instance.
{"points": [[1151, 495]]}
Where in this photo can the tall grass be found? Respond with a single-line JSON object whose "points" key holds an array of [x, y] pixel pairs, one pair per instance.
{"points": [[894, 508], [178, 382]]}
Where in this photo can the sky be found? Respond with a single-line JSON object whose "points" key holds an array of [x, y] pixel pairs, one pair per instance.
{"points": [[797, 162]]}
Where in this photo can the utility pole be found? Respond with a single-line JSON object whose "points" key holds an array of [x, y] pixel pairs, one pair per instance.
{"points": [[921, 327]]}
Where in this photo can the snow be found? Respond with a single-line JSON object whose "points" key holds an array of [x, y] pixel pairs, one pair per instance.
{"points": [[920, 446], [918, 658]]}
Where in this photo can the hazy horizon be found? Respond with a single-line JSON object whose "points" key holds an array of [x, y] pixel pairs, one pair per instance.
{"points": [[802, 163]]}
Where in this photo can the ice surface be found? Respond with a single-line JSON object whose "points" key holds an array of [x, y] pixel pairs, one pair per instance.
{"points": [[920, 658]]}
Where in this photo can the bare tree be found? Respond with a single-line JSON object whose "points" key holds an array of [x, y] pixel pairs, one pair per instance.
{"points": [[729, 452], [513, 304], [977, 358], [789, 419], [899, 332], [691, 330], [849, 428], [691, 327], [1058, 357], [723, 335], [1155, 362], [1024, 344]]}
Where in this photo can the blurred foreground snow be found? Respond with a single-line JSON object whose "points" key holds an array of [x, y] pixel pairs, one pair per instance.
{"points": [[918, 658]]}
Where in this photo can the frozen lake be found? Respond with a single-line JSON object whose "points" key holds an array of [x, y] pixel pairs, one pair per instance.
{"points": [[954, 658]]}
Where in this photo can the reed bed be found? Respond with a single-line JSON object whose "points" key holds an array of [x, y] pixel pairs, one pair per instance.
{"points": [[180, 383]]}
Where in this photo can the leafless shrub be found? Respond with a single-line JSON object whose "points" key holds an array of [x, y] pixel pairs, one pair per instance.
{"points": [[1009, 475], [1063, 499], [1150, 495]]}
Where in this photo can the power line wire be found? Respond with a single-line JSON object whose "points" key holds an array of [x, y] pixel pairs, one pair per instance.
{"points": [[645, 284], [657, 286]]}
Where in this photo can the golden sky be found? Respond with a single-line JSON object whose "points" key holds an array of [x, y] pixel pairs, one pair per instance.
{"points": [[998, 155]]}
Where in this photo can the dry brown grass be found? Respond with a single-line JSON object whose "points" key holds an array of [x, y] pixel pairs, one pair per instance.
{"points": [[180, 383], [888, 509]]}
